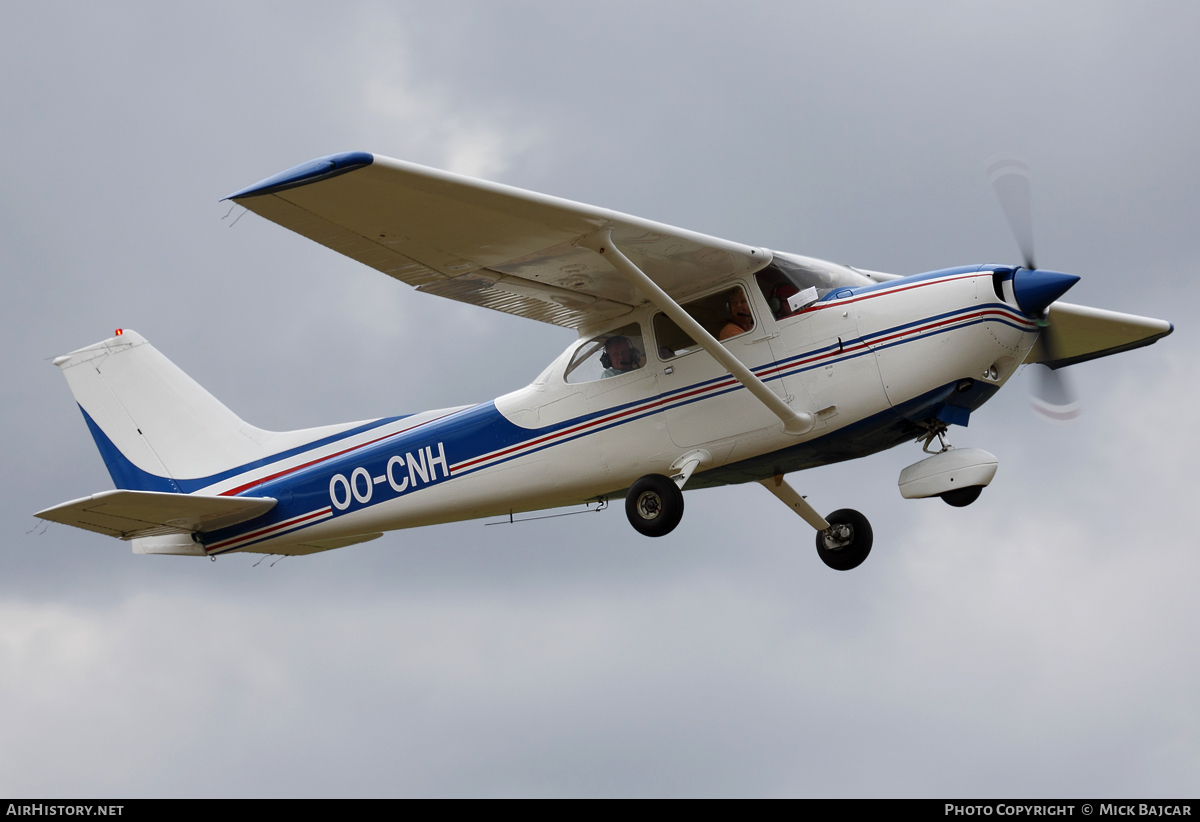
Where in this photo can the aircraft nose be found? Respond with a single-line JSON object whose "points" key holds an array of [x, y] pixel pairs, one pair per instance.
{"points": [[1035, 289]]}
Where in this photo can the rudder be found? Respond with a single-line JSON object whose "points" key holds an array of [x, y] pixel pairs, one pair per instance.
{"points": [[152, 422]]}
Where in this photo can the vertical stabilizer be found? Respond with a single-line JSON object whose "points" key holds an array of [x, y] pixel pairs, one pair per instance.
{"points": [[153, 423]]}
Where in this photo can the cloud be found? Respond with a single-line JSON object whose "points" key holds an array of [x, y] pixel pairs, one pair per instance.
{"points": [[421, 123], [416, 116]]}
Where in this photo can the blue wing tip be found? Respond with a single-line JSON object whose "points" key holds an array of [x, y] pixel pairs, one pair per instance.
{"points": [[313, 171]]}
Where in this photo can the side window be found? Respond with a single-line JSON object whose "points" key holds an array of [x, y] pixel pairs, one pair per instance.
{"points": [[612, 354], [725, 315]]}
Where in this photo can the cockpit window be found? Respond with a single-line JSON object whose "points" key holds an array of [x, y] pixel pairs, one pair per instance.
{"points": [[725, 315], [788, 285], [612, 354], [777, 287]]}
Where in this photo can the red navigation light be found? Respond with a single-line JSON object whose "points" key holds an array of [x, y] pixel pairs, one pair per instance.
{"points": [[120, 331]]}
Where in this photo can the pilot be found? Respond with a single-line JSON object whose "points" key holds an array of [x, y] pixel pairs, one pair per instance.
{"points": [[779, 300], [742, 320], [619, 356]]}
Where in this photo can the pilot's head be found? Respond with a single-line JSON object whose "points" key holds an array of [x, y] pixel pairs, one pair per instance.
{"points": [[779, 300], [621, 354], [739, 306]]}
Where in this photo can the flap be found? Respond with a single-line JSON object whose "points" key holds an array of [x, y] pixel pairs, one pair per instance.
{"points": [[485, 243], [1082, 333], [132, 514]]}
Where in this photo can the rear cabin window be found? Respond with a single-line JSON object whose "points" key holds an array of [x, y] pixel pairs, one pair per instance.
{"points": [[725, 315], [613, 354]]}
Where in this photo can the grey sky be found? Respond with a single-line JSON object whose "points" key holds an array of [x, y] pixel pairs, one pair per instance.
{"points": [[1038, 643]]}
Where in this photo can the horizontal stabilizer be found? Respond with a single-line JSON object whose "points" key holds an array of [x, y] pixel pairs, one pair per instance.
{"points": [[316, 546], [1080, 333], [131, 514]]}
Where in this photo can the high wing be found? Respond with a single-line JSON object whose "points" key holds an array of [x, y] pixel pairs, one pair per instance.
{"points": [[495, 245]]}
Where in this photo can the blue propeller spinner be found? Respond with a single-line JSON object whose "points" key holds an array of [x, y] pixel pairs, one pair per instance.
{"points": [[1035, 289]]}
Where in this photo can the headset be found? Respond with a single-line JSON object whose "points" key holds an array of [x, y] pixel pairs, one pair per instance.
{"points": [[606, 360], [778, 299]]}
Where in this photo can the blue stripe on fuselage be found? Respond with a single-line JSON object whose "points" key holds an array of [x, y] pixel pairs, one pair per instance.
{"points": [[856, 291], [879, 432], [475, 433]]}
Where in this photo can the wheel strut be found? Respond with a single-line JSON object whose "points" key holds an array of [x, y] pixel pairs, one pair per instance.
{"points": [[843, 538]]}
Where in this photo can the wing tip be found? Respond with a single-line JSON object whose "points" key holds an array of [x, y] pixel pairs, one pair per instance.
{"points": [[313, 171]]}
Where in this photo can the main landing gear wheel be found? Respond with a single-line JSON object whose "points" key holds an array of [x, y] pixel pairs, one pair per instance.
{"points": [[962, 497], [654, 505], [847, 542]]}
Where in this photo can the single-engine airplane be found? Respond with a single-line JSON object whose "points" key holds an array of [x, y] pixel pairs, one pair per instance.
{"points": [[699, 362]]}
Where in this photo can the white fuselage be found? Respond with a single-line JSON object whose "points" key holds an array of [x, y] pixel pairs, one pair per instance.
{"points": [[871, 363]]}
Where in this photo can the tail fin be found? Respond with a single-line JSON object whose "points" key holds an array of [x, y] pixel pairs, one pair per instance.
{"points": [[155, 425]]}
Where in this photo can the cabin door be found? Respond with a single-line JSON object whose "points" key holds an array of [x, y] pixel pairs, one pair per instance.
{"points": [[703, 403]]}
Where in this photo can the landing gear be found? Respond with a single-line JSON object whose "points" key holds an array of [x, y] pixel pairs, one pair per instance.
{"points": [[843, 538], [654, 505], [962, 497], [957, 475], [847, 542]]}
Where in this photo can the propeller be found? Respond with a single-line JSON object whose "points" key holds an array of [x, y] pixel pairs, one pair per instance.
{"points": [[1010, 180], [1053, 395]]}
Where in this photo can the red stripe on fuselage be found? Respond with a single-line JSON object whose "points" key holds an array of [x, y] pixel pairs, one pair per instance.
{"points": [[279, 526], [853, 347], [235, 491], [897, 289]]}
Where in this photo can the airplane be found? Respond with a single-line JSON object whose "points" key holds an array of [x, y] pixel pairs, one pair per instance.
{"points": [[699, 362]]}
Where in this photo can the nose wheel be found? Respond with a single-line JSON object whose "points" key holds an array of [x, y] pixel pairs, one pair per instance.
{"points": [[654, 505], [847, 541]]}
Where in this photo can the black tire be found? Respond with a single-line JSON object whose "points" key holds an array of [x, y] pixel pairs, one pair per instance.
{"points": [[654, 505], [853, 554], [962, 497]]}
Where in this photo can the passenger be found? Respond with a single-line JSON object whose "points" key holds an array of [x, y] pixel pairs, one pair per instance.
{"points": [[619, 356], [742, 320]]}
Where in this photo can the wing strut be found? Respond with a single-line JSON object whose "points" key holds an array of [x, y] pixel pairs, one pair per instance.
{"points": [[795, 423]]}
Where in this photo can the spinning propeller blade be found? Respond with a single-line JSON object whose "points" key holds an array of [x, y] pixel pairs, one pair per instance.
{"points": [[1053, 396], [1010, 180]]}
